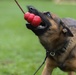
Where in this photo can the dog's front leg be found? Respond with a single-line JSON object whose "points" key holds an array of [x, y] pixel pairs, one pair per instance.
{"points": [[49, 66]]}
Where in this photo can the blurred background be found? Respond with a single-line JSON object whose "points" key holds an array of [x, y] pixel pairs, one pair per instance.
{"points": [[20, 50]]}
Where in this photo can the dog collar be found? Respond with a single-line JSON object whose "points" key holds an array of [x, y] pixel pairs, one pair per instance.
{"points": [[56, 52]]}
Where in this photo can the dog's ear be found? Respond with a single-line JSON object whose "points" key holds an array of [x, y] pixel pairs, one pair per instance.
{"points": [[66, 31]]}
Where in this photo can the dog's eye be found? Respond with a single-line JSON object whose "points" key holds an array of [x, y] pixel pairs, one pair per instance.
{"points": [[48, 14]]}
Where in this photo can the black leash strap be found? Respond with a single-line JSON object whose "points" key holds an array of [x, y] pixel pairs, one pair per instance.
{"points": [[40, 66]]}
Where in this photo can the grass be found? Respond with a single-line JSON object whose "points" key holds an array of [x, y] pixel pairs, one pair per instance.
{"points": [[20, 50]]}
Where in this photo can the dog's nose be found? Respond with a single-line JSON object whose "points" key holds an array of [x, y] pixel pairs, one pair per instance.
{"points": [[31, 9]]}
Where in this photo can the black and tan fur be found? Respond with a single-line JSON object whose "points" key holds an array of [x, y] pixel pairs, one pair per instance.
{"points": [[53, 37]]}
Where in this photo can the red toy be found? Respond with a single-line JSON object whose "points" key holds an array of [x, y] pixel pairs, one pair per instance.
{"points": [[34, 20]]}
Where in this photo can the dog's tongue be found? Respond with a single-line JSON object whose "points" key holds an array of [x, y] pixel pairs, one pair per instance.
{"points": [[33, 19]]}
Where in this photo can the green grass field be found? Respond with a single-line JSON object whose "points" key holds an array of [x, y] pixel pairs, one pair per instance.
{"points": [[20, 50]]}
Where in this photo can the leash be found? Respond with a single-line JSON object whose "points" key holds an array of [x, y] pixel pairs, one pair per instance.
{"points": [[40, 65], [19, 6]]}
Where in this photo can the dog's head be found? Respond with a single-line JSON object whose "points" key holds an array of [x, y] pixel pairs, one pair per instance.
{"points": [[51, 25]]}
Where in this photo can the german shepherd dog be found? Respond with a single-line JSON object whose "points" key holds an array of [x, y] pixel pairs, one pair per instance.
{"points": [[58, 37]]}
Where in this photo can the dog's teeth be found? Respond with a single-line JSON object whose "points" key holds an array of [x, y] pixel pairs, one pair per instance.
{"points": [[40, 27]]}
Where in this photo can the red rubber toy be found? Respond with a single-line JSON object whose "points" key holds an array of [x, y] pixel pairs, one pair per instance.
{"points": [[34, 20], [26, 15]]}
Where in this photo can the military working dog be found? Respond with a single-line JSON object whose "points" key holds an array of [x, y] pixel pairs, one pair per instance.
{"points": [[58, 37]]}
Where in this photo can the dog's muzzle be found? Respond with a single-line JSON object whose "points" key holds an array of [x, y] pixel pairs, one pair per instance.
{"points": [[44, 25]]}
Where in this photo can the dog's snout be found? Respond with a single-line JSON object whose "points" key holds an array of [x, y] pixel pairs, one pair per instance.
{"points": [[31, 9]]}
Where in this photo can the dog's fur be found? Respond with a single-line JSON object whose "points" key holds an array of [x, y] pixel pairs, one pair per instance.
{"points": [[59, 31]]}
